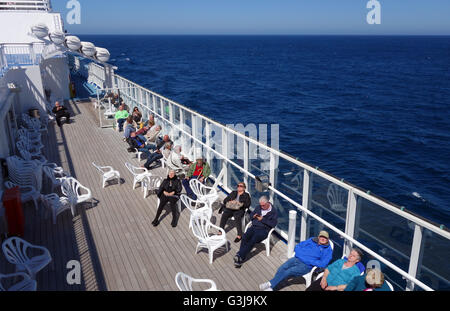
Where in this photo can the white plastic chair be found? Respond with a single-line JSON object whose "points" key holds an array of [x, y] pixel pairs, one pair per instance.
{"points": [[201, 226], [308, 276], [25, 284], [56, 181], [28, 156], [31, 144], [139, 173], [72, 188], [16, 249], [55, 204], [27, 193], [203, 193], [266, 241], [24, 145], [150, 183], [196, 207], [30, 136], [390, 285], [108, 173], [184, 282]]}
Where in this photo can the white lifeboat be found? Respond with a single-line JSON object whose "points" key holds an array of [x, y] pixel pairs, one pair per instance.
{"points": [[102, 54], [57, 37], [72, 43], [40, 30], [88, 49]]}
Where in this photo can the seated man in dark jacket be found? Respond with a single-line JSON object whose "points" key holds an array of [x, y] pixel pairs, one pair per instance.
{"points": [[137, 143], [60, 112], [264, 218]]}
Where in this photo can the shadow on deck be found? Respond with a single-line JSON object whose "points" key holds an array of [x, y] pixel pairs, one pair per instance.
{"points": [[114, 241]]}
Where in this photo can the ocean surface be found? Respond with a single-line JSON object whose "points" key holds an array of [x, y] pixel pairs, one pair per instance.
{"points": [[374, 110]]}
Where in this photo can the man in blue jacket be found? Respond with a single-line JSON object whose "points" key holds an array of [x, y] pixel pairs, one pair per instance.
{"points": [[264, 218], [312, 252]]}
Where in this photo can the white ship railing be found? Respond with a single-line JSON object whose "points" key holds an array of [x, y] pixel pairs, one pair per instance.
{"points": [[14, 55], [305, 193], [25, 5]]}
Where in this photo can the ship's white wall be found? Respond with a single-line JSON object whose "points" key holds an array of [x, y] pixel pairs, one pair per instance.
{"points": [[29, 80], [15, 26], [5, 151], [55, 77]]}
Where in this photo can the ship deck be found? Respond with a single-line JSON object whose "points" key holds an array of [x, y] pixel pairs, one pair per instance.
{"points": [[114, 240]]}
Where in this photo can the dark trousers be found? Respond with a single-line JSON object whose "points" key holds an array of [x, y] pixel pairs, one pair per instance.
{"points": [[173, 205], [315, 286], [188, 189], [227, 214], [251, 237], [62, 115], [120, 123], [152, 157]]}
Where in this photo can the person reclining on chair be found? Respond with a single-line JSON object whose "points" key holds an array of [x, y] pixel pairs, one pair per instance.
{"points": [[175, 161], [264, 217], [158, 154], [235, 198], [60, 112], [121, 116], [169, 191], [200, 170], [372, 280], [338, 274], [129, 127], [152, 133], [312, 252], [138, 144]]}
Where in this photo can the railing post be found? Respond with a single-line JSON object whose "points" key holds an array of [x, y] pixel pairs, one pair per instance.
{"points": [[291, 233], [350, 221], [306, 202], [272, 173], [208, 142], [246, 161], [225, 155], [416, 255]]}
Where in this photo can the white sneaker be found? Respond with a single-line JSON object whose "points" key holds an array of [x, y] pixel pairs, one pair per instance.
{"points": [[268, 289], [264, 286]]}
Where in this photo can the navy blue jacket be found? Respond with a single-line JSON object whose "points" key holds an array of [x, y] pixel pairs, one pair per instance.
{"points": [[268, 222]]}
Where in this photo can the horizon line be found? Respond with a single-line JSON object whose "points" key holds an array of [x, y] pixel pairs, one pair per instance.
{"points": [[206, 34]]}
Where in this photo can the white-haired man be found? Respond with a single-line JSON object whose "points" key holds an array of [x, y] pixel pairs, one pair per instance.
{"points": [[264, 217]]}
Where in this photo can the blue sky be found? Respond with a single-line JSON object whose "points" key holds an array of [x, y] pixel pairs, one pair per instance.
{"points": [[412, 17]]}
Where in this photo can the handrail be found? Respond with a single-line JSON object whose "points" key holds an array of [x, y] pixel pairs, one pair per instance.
{"points": [[298, 206], [26, 5], [157, 101], [439, 229]]}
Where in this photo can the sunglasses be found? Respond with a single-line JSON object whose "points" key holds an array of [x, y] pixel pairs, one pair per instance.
{"points": [[241, 186]]}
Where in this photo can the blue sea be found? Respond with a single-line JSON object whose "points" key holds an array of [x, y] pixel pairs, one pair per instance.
{"points": [[374, 110]]}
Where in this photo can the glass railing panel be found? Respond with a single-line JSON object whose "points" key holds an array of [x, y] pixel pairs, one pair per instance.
{"points": [[387, 234], [433, 269], [288, 179]]}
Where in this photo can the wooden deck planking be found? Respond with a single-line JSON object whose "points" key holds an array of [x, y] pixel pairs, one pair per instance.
{"points": [[118, 247]]}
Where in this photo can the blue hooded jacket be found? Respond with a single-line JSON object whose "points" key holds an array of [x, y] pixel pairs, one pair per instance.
{"points": [[312, 254]]}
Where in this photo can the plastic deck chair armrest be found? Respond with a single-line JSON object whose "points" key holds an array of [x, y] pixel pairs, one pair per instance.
{"points": [[218, 228]]}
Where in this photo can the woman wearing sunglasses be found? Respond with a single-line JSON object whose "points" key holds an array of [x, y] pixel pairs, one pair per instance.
{"points": [[235, 205]]}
